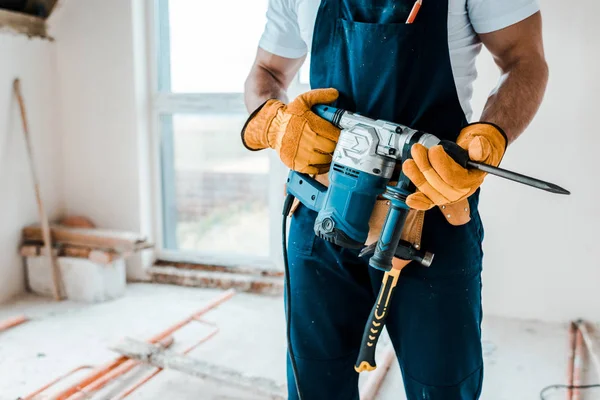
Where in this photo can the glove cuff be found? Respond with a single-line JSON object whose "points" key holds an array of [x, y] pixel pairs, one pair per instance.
{"points": [[494, 146], [255, 131], [498, 128]]}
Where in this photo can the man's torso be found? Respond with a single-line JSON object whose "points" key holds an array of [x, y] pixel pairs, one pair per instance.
{"points": [[465, 19]]}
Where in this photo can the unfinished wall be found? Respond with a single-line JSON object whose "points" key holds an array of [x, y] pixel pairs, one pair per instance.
{"points": [[541, 256], [33, 61], [102, 85]]}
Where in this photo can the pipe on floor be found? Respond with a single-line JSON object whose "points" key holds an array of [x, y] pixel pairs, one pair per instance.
{"points": [[122, 369], [158, 370], [101, 371], [12, 322], [571, 359], [54, 382], [578, 365]]}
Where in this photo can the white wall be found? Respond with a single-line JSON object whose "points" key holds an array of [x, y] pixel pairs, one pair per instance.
{"points": [[102, 100], [541, 257], [33, 61], [540, 261]]}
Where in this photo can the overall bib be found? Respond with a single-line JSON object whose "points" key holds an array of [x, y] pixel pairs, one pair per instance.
{"points": [[386, 69]]}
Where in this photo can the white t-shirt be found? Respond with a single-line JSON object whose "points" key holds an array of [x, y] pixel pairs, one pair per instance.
{"points": [[290, 25]]}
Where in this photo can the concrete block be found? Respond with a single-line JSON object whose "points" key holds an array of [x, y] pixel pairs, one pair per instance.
{"points": [[84, 280]]}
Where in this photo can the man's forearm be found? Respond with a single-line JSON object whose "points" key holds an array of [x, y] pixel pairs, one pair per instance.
{"points": [[517, 99], [261, 85]]}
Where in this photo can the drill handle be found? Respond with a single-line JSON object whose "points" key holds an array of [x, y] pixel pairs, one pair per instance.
{"points": [[458, 154], [308, 190], [392, 228], [376, 322]]}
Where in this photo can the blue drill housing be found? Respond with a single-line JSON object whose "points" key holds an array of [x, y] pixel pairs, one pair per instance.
{"points": [[344, 209]]}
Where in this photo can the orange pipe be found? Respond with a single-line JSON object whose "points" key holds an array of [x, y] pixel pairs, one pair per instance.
{"points": [[373, 383], [140, 383], [578, 365], [97, 373], [571, 359], [54, 382], [12, 322], [216, 302], [114, 373], [158, 370], [65, 394], [102, 381]]}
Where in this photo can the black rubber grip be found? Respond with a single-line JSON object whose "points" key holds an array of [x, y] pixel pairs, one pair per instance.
{"points": [[458, 154], [376, 322], [389, 238]]}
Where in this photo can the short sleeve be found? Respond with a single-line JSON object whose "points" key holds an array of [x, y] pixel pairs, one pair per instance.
{"points": [[492, 15], [282, 31]]}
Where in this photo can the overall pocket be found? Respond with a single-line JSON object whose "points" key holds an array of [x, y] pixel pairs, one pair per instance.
{"points": [[381, 62], [301, 236]]}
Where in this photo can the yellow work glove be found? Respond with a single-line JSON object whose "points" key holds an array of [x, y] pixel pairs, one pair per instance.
{"points": [[440, 180], [304, 141]]}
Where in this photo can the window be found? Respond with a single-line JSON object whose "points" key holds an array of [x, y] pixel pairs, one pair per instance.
{"points": [[219, 203]]}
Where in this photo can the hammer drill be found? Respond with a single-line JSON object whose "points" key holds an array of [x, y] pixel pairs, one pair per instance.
{"points": [[364, 161]]}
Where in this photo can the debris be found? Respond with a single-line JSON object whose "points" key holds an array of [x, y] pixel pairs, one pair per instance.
{"points": [[101, 239], [167, 359], [158, 370], [95, 255], [86, 392], [99, 372]]}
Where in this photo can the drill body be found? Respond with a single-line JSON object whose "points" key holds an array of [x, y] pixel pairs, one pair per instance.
{"points": [[363, 164], [364, 160]]}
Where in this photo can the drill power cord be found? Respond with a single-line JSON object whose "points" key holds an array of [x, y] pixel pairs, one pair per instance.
{"points": [[287, 206], [556, 387]]}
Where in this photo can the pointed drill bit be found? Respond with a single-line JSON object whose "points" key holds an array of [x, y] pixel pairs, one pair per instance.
{"points": [[513, 176]]}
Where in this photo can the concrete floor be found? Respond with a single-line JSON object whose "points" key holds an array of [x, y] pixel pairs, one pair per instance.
{"points": [[521, 356]]}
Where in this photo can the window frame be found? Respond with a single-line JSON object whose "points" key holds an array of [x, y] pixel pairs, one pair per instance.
{"points": [[165, 103]]}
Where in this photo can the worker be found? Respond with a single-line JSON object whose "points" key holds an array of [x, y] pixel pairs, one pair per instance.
{"points": [[376, 58]]}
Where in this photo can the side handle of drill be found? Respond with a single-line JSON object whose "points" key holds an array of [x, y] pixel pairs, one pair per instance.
{"points": [[388, 246]]}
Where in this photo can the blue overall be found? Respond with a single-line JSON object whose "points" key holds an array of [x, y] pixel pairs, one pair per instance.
{"points": [[386, 69]]}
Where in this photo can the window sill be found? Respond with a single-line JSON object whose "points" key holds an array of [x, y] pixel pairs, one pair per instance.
{"points": [[247, 280], [267, 272]]}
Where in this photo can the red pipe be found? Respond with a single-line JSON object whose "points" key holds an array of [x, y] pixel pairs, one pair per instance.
{"points": [[101, 371], [112, 374], [571, 359], [578, 365], [54, 382], [12, 322]]}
